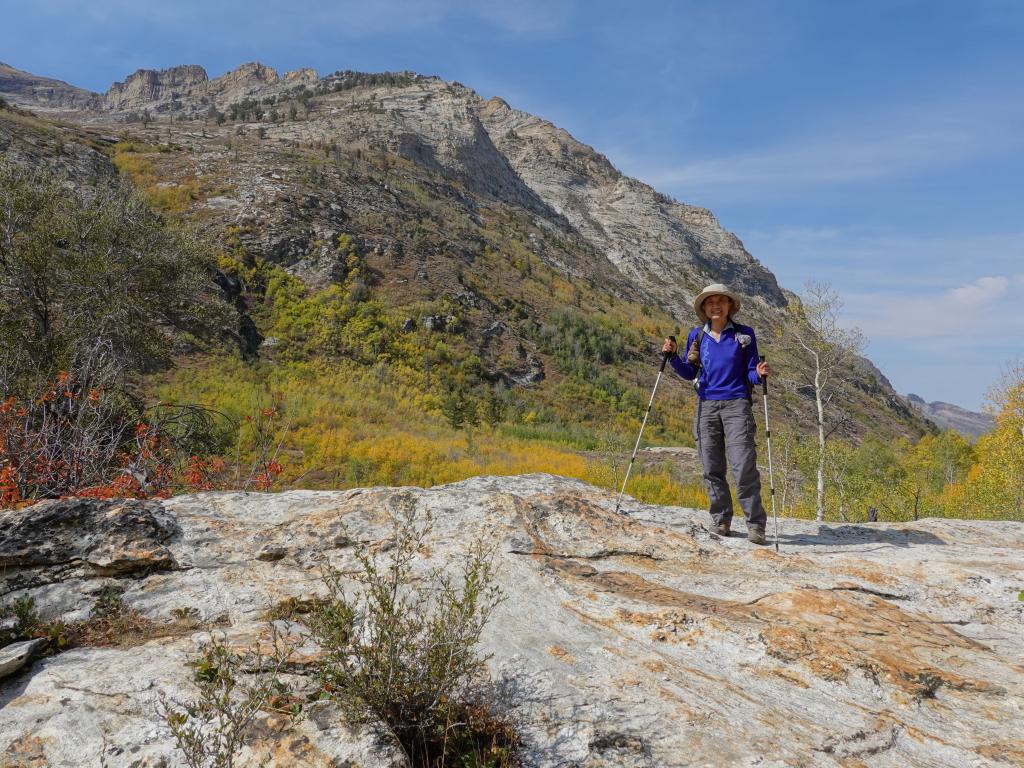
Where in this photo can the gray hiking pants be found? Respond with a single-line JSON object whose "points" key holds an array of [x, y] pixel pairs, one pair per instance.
{"points": [[726, 428]]}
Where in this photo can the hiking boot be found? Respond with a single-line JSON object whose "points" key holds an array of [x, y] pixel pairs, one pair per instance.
{"points": [[756, 536], [722, 529]]}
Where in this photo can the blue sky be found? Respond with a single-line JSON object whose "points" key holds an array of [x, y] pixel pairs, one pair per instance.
{"points": [[877, 145]]}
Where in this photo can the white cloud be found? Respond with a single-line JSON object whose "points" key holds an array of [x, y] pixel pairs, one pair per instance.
{"points": [[981, 290], [941, 312], [956, 314], [944, 345]]}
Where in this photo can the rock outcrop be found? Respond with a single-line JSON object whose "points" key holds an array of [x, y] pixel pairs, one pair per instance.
{"points": [[146, 86], [186, 89], [33, 143], [632, 639], [659, 243]]}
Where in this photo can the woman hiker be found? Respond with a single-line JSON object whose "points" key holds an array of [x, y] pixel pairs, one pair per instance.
{"points": [[722, 360]]}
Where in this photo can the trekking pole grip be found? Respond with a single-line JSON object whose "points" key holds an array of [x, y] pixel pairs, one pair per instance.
{"points": [[666, 355], [764, 379]]}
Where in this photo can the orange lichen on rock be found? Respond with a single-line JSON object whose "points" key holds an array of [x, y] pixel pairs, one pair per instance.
{"points": [[24, 752], [1011, 752], [832, 632], [867, 572], [561, 654]]}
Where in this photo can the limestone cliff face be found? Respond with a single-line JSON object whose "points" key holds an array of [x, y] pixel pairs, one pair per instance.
{"points": [[146, 86], [189, 88], [632, 639], [244, 80], [667, 247]]}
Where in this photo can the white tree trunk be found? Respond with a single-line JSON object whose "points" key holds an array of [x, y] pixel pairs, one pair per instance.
{"points": [[785, 476], [821, 439]]}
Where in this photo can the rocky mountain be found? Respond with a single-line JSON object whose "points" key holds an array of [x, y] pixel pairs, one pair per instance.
{"points": [[454, 200], [949, 416], [21, 87], [662, 246], [632, 639]]}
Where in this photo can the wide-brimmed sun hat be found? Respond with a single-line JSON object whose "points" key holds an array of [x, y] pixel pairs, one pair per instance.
{"points": [[712, 290]]}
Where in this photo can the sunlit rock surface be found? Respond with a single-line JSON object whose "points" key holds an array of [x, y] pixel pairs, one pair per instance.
{"points": [[637, 639]]}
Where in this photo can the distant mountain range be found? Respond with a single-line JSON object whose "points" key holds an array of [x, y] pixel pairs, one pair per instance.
{"points": [[949, 416]]}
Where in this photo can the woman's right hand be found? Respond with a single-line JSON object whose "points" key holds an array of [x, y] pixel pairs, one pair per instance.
{"points": [[669, 347]]}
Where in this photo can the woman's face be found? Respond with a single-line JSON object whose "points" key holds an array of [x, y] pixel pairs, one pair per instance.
{"points": [[717, 306]]}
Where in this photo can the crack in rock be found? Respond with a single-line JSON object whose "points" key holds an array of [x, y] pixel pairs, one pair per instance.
{"points": [[868, 591], [601, 555]]}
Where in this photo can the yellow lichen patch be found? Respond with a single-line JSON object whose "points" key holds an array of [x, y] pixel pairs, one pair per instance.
{"points": [[770, 555], [827, 668], [561, 654], [635, 587], [785, 643]]}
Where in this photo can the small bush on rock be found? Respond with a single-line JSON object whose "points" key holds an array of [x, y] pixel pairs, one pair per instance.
{"points": [[18, 621], [402, 650], [110, 623], [233, 688]]}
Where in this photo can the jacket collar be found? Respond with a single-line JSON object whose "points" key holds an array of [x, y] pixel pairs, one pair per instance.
{"points": [[728, 325]]}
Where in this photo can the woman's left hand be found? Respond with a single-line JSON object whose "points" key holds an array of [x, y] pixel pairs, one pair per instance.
{"points": [[764, 370]]}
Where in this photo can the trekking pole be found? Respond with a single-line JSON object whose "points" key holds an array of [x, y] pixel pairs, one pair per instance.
{"points": [[768, 434], [664, 359]]}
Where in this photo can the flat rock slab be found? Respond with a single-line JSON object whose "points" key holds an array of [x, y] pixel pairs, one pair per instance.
{"points": [[16, 655], [630, 639]]}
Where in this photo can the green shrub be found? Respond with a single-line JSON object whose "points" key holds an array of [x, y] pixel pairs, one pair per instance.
{"points": [[402, 650], [26, 621], [94, 272], [211, 730], [580, 343]]}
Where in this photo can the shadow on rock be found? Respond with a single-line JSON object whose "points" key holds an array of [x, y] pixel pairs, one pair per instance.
{"points": [[853, 535]]}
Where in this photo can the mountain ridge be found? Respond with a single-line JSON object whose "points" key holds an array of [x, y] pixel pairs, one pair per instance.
{"points": [[950, 416], [453, 175]]}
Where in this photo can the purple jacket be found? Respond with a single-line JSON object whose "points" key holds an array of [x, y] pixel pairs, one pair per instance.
{"points": [[728, 366]]}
